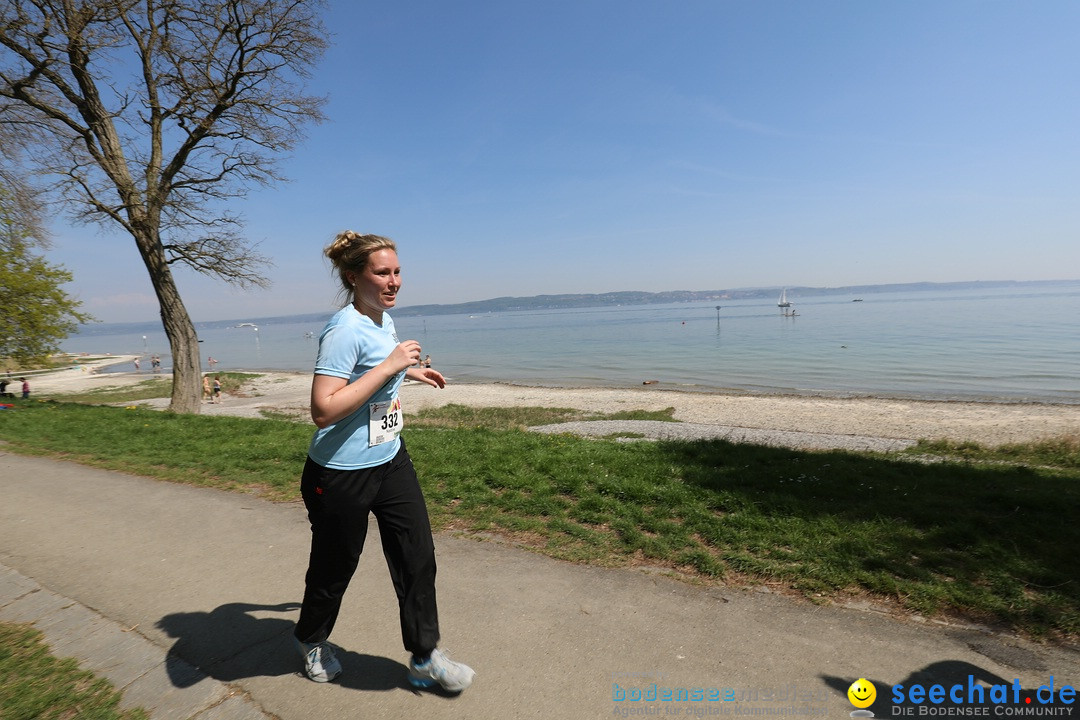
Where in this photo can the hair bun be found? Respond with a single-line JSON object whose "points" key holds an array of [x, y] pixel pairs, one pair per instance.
{"points": [[341, 244]]}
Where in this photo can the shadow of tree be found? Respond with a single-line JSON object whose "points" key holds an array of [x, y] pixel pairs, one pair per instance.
{"points": [[999, 537], [999, 697]]}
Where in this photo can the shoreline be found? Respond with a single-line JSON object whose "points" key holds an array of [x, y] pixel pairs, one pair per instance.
{"points": [[659, 386], [988, 423]]}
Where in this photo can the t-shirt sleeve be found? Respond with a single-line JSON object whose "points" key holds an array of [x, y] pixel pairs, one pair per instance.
{"points": [[338, 353]]}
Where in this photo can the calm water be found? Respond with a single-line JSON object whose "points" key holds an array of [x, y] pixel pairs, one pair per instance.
{"points": [[1002, 344]]}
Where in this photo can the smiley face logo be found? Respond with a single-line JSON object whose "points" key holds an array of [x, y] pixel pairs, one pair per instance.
{"points": [[862, 693]]}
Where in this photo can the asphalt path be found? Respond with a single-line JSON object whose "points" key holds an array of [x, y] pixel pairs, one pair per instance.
{"points": [[185, 598]]}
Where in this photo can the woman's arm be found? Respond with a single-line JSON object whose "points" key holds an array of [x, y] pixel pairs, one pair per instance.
{"points": [[334, 398]]}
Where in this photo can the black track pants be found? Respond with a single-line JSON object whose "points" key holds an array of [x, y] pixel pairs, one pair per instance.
{"points": [[338, 503]]}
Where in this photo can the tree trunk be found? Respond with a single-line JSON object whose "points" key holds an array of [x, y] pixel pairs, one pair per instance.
{"points": [[183, 342], [184, 345]]}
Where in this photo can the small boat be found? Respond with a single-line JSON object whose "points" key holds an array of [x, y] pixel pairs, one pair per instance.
{"points": [[857, 300], [783, 299], [252, 325]]}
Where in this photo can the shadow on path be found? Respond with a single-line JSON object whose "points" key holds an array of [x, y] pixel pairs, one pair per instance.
{"points": [[243, 640], [999, 697]]}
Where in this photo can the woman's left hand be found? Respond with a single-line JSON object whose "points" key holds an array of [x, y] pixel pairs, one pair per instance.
{"points": [[430, 376]]}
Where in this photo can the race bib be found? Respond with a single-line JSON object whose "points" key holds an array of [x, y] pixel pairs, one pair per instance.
{"points": [[386, 422]]}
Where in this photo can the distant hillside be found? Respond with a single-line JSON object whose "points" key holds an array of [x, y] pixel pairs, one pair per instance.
{"points": [[585, 300], [576, 300], [550, 302]]}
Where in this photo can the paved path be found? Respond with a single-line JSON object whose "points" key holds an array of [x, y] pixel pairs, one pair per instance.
{"points": [[185, 598]]}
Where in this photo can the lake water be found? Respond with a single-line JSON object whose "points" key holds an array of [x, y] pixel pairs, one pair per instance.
{"points": [[1016, 344]]}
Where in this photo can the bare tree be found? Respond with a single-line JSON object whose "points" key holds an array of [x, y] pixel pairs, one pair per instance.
{"points": [[152, 114], [21, 207]]}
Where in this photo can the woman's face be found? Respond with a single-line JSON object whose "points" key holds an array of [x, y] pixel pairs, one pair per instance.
{"points": [[375, 288]]}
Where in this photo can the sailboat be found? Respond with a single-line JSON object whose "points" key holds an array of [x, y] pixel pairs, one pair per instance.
{"points": [[783, 299]]}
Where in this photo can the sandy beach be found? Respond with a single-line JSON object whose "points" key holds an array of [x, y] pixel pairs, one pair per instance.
{"points": [[987, 423]]}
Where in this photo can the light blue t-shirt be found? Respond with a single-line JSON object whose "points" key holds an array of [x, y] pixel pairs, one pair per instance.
{"points": [[351, 344]]}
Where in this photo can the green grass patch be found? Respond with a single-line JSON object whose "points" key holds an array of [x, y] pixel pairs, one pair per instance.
{"points": [[149, 389], [1061, 452], [234, 383], [35, 685], [994, 541], [53, 362], [506, 418]]}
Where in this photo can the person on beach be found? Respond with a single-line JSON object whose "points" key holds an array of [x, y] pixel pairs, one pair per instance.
{"points": [[427, 361], [357, 463], [25, 388], [206, 389], [217, 389]]}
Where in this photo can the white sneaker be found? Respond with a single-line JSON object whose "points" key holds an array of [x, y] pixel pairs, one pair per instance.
{"points": [[320, 663], [440, 669]]}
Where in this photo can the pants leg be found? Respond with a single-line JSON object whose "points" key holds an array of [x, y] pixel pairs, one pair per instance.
{"points": [[338, 502], [409, 549]]}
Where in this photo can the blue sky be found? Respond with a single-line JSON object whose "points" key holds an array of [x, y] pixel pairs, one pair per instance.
{"points": [[522, 148]]}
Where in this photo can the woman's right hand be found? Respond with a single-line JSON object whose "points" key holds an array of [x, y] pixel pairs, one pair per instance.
{"points": [[404, 356]]}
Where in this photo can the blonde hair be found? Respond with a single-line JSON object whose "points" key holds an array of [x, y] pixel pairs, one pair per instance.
{"points": [[350, 252]]}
